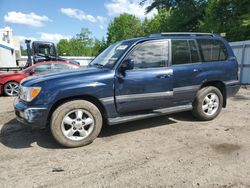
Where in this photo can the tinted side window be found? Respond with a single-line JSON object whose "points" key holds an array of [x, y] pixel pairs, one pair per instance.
{"points": [[61, 66], [195, 56], [42, 68], [150, 55], [180, 52], [184, 52], [213, 50]]}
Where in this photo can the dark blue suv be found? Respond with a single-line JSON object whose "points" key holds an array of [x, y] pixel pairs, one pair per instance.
{"points": [[130, 80]]}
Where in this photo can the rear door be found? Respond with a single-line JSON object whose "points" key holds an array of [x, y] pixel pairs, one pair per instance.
{"points": [[150, 84], [187, 66]]}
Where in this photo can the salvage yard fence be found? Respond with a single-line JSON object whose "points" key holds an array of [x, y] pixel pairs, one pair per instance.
{"points": [[241, 50]]}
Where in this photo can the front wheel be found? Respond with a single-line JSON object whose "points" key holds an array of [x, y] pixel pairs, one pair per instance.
{"points": [[11, 88], [208, 103], [76, 123]]}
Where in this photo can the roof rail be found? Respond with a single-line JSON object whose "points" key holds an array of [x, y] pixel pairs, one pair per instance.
{"points": [[182, 34]]}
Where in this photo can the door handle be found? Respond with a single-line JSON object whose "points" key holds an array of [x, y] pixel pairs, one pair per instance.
{"points": [[196, 70], [163, 76]]}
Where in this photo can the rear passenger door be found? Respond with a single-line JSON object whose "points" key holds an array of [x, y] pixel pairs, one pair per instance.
{"points": [[187, 66]]}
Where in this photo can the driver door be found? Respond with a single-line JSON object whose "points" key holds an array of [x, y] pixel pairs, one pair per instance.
{"points": [[149, 85]]}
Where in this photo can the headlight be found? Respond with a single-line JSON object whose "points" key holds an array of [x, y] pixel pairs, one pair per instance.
{"points": [[28, 93]]}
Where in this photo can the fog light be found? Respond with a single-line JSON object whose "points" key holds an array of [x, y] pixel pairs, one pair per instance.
{"points": [[28, 114], [22, 114]]}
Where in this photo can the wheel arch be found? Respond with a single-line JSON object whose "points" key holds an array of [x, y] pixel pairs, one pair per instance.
{"points": [[10, 81], [88, 98], [219, 85]]}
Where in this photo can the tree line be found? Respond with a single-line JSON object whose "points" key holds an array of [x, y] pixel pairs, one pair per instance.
{"points": [[230, 17]]}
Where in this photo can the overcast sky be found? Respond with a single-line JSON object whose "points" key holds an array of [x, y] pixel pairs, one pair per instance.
{"points": [[53, 20]]}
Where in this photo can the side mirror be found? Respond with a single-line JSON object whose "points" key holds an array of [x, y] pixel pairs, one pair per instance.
{"points": [[128, 64], [32, 72]]}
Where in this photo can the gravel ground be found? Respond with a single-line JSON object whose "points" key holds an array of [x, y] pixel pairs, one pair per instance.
{"points": [[170, 151]]}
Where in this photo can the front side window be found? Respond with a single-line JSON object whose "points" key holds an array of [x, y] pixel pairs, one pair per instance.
{"points": [[42, 68], [212, 50], [150, 55]]}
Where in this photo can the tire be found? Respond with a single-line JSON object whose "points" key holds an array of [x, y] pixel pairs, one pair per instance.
{"points": [[71, 123], [11, 88], [207, 104]]}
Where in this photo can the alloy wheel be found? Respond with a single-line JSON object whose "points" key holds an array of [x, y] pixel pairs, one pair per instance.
{"points": [[11, 88], [210, 104], [77, 124]]}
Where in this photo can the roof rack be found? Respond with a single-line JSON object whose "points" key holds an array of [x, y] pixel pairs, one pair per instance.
{"points": [[182, 34]]}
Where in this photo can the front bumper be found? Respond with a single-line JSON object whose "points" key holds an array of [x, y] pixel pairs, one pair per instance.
{"points": [[32, 116]]}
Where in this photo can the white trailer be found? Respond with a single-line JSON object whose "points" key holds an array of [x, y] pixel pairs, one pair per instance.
{"points": [[9, 48]]}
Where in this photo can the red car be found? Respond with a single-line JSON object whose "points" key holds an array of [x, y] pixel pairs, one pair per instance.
{"points": [[9, 82]]}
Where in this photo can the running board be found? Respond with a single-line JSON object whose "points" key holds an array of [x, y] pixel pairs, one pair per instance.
{"points": [[159, 112]]}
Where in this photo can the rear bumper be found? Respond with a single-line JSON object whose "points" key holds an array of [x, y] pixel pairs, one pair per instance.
{"points": [[32, 116], [232, 89]]}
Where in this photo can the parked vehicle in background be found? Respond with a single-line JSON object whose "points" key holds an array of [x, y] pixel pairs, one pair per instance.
{"points": [[130, 80], [9, 82], [42, 51]]}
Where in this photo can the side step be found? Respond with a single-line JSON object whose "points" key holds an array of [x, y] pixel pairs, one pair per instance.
{"points": [[159, 112]]}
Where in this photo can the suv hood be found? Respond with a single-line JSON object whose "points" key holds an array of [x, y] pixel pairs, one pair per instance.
{"points": [[63, 75]]}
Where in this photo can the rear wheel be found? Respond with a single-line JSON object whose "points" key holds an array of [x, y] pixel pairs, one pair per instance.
{"points": [[208, 103], [76, 123], [11, 88]]}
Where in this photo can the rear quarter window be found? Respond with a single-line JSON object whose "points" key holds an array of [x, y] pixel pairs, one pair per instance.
{"points": [[212, 50]]}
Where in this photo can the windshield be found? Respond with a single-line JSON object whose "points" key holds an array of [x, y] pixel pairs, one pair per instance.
{"points": [[46, 50], [110, 55]]}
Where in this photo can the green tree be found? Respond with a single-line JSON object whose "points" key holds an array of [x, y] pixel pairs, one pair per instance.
{"points": [[219, 16], [123, 27], [177, 15], [228, 16], [99, 46], [159, 23], [63, 47], [23, 51], [80, 45]]}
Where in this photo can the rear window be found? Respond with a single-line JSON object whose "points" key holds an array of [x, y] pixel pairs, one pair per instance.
{"points": [[212, 50]]}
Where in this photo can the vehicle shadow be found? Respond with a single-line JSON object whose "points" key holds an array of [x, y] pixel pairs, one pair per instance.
{"points": [[14, 135], [17, 136], [184, 116], [240, 97], [135, 126]]}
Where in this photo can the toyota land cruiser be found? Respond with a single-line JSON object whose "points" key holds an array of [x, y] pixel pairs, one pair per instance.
{"points": [[130, 80]]}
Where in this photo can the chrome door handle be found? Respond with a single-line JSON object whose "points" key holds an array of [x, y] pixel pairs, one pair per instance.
{"points": [[164, 76], [196, 70]]}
